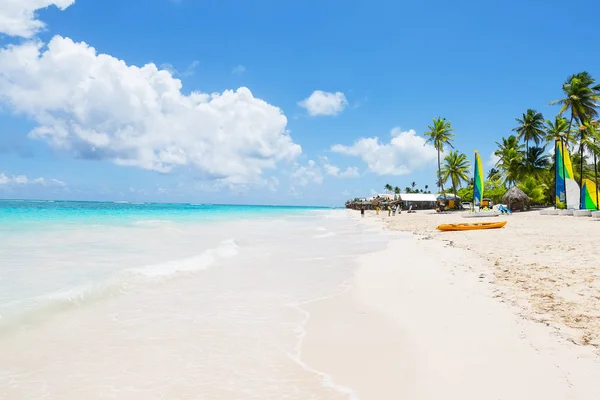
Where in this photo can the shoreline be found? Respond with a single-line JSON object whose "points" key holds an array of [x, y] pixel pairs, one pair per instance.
{"points": [[424, 320]]}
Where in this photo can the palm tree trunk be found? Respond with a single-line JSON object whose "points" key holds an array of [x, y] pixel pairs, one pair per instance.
{"points": [[569, 131], [440, 183], [455, 198], [527, 166]]}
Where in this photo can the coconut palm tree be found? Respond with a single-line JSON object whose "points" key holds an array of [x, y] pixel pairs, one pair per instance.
{"points": [[456, 167], [510, 142], [388, 188], [537, 161], [510, 161], [531, 127], [439, 135], [397, 190], [557, 129], [582, 95]]}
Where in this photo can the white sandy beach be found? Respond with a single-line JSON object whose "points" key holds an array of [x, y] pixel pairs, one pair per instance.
{"points": [[427, 320]]}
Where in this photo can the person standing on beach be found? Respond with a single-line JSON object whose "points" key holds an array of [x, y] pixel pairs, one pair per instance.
{"points": [[362, 212], [389, 210]]}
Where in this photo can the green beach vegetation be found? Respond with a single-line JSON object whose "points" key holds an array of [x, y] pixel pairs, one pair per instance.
{"points": [[525, 159]]}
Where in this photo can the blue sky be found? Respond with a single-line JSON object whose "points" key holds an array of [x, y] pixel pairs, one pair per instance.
{"points": [[93, 127]]}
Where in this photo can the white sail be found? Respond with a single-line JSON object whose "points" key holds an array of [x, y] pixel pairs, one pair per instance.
{"points": [[573, 194]]}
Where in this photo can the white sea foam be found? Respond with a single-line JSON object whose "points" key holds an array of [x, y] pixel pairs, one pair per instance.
{"points": [[134, 278], [182, 310], [226, 249]]}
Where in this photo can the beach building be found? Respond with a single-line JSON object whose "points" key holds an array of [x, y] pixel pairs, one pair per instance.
{"points": [[419, 201], [387, 196]]}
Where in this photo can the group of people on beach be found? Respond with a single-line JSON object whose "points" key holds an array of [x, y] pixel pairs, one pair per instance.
{"points": [[391, 210]]}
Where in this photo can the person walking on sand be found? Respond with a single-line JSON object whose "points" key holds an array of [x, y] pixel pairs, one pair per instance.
{"points": [[389, 210], [362, 212]]}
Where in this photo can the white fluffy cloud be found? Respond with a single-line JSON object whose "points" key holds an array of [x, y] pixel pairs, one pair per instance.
{"points": [[303, 175], [97, 106], [331, 169], [23, 180], [493, 160], [404, 153], [350, 172], [17, 17], [324, 103], [314, 173]]}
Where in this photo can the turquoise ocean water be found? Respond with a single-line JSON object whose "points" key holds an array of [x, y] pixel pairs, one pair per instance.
{"points": [[31, 214]]}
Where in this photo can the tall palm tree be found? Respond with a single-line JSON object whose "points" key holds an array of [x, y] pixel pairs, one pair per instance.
{"points": [[440, 134], [388, 187], [510, 161], [556, 129], [531, 127], [397, 190], [510, 142], [582, 95], [456, 167], [537, 161]]}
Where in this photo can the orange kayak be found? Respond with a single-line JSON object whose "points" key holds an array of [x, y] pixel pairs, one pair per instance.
{"points": [[471, 226]]}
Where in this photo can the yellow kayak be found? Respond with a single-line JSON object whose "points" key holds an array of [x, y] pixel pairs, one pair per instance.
{"points": [[471, 226]]}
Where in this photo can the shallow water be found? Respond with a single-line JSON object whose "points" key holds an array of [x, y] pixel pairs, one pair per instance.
{"points": [[156, 307]]}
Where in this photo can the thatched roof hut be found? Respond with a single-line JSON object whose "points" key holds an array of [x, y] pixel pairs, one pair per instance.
{"points": [[516, 199]]}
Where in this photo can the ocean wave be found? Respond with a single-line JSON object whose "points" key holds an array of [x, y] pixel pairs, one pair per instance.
{"points": [[43, 307], [226, 249]]}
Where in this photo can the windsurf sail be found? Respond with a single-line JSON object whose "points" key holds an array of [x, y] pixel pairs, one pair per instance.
{"points": [[567, 190], [590, 195], [478, 181]]}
